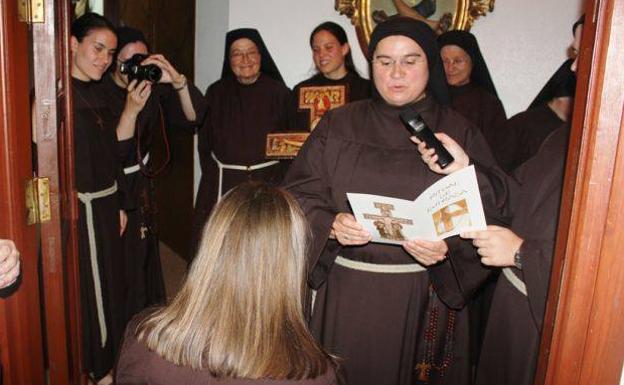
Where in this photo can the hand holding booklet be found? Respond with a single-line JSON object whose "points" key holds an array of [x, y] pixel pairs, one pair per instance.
{"points": [[449, 206]]}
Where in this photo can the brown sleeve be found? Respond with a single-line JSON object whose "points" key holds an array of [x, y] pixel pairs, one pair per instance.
{"points": [[307, 179]]}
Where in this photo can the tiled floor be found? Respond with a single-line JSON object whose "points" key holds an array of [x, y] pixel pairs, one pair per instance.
{"points": [[174, 269]]}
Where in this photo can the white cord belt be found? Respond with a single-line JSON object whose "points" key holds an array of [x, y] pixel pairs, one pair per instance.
{"points": [[132, 169], [514, 280], [87, 199], [379, 268], [224, 166]]}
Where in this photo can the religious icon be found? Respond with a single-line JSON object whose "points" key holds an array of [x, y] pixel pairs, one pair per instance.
{"points": [[320, 99], [388, 226], [284, 145], [451, 216], [437, 13]]}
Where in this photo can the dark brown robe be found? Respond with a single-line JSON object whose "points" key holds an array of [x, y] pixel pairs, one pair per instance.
{"points": [[98, 167], [486, 112], [138, 365], [481, 108], [512, 338], [239, 118], [375, 322], [523, 135], [356, 88], [143, 272]]}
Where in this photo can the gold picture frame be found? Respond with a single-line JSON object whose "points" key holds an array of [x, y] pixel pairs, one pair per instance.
{"points": [[453, 14]]}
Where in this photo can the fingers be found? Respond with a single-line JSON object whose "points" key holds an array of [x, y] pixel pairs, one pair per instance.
{"points": [[348, 231], [138, 93], [423, 253], [123, 222], [9, 263], [169, 72], [132, 85], [426, 252]]}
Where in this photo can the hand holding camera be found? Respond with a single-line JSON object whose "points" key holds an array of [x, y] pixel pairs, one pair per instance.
{"points": [[153, 68]]}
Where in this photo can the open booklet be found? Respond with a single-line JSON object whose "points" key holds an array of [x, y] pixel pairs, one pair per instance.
{"points": [[446, 208]]}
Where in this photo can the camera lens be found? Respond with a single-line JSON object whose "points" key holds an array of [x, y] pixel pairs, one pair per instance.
{"points": [[151, 72]]}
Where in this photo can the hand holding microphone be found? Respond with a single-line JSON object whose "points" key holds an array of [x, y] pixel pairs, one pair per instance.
{"points": [[441, 153]]}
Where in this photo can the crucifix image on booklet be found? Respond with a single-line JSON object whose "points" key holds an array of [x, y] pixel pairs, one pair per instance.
{"points": [[448, 207]]}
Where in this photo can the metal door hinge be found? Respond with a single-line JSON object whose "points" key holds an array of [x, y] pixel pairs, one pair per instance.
{"points": [[38, 200], [31, 11]]}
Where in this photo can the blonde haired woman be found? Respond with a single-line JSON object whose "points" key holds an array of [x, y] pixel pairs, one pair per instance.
{"points": [[239, 315]]}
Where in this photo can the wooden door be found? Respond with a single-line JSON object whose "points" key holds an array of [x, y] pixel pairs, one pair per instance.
{"points": [[59, 261], [40, 322], [583, 339], [21, 348]]}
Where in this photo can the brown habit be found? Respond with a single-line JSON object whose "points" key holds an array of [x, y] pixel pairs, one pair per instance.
{"points": [[512, 337], [97, 168], [143, 271], [481, 108], [239, 118], [375, 321], [523, 134]]}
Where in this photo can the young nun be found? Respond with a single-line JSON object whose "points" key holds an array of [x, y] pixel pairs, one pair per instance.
{"points": [[472, 90], [173, 101], [378, 306], [332, 58], [101, 194]]}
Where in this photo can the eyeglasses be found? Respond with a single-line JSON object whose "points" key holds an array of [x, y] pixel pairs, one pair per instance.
{"points": [[238, 55], [405, 62], [460, 61]]}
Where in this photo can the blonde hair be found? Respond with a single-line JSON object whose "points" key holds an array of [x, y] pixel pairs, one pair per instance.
{"points": [[240, 311]]}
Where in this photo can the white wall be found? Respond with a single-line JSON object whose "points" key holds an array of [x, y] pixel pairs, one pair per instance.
{"points": [[285, 26], [212, 18], [523, 41]]}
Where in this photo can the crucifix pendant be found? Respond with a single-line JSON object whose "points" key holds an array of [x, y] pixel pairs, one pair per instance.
{"points": [[423, 371]]}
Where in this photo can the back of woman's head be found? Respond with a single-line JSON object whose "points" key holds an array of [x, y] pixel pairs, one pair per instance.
{"points": [[339, 33], [88, 22], [240, 311]]}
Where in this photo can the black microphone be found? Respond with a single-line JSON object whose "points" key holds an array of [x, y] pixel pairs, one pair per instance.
{"points": [[417, 127]]}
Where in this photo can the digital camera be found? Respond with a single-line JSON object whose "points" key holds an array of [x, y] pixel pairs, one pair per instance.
{"points": [[133, 68]]}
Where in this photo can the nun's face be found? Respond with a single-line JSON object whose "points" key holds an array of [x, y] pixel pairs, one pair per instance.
{"points": [[329, 55], [400, 70], [93, 55], [245, 60], [457, 65], [126, 53]]}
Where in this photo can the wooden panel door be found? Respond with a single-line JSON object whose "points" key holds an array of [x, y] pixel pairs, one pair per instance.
{"points": [[21, 347], [59, 262], [583, 338]]}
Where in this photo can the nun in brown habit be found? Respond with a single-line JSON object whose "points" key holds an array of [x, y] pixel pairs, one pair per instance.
{"points": [[524, 133], [472, 90], [392, 313], [164, 108], [525, 251], [249, 101]]}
